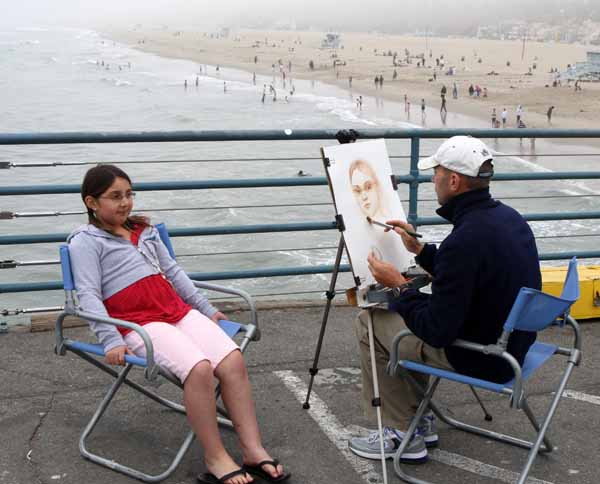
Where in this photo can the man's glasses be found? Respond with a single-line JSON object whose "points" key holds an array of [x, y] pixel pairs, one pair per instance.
{"points": [[118, 197]]}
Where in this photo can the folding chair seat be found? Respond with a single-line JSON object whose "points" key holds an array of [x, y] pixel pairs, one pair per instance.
{"points": [[90, 352], [532, 310]]}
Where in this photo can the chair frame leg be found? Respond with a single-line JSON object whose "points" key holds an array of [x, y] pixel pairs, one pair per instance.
{"points": [[120, 380], [534, 448]]}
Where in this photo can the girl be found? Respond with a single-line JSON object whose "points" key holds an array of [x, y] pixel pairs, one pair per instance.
{"points": [[122, 269]]}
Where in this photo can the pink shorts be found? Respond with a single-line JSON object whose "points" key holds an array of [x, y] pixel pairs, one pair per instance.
{"points": [[181, 346]]}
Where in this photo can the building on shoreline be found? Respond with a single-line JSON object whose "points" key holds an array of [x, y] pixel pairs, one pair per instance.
{"points": [[586, 71]]}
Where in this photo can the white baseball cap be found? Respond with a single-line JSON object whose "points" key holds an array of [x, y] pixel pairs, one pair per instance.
{"points": [[462, 154]]}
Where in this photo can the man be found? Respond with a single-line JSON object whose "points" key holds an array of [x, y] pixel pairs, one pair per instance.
{"points": [[477, 273], [504, 116]]}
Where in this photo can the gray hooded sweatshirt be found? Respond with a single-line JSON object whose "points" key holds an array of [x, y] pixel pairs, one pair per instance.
{"points": [[103, 265]]}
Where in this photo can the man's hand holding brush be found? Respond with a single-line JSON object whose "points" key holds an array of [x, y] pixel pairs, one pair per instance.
{"points": [[404, 229]]}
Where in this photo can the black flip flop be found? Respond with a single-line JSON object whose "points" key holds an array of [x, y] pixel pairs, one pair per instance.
{"points": [[209, 478], [258, 471]]}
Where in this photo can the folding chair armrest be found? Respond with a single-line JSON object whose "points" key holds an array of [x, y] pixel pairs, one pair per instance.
{"points": [[151, 367], [495, 350], [237, 292], [498, 351], [576, 331], [394, 350]]}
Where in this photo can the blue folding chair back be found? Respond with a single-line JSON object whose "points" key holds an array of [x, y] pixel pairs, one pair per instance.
{"points": [[532, 311], [91, 351]]}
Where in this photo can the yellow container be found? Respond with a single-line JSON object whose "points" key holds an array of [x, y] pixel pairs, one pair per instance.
{"points": [[588, 305]]}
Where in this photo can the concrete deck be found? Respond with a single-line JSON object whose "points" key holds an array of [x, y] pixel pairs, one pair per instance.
{"points": [[46, 400]]}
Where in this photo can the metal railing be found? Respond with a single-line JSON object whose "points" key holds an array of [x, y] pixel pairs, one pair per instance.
{"points": [[413, 179]]}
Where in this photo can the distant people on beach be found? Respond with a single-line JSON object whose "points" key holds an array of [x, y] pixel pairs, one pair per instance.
{"points": [[196, 81], [350, 82], [359, 102], [519, 113], [185, 84], [423, 110], [504, 117], [494, 118], [549, 114], [254, 78], [264, 93], [224, 86], [455, 91], [443, 106]]}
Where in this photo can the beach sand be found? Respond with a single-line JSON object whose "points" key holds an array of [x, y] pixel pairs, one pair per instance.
{"points": [[364, 59]]}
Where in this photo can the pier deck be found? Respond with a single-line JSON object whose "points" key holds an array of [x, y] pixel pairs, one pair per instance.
{"points": [[46, 400]]}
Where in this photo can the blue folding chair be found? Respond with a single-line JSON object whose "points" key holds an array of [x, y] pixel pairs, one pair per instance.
{"points": [[532, 310], [90, 352]]}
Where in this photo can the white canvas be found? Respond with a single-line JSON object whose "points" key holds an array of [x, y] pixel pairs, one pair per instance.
{"points": [[360, 179]]}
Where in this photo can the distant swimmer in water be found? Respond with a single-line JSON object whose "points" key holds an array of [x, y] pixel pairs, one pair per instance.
{"points": [[302, 173]]}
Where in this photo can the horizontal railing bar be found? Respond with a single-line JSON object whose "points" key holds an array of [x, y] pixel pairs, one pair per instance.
{"points": [[270, 294], [278, 182], [11, 215], [274, 228], [14, 264], [197, 276], [530, 217], [14, 312], [185, 232], [149, 162], [277, 272], [281, 135], [265, 251], [291, 158]]}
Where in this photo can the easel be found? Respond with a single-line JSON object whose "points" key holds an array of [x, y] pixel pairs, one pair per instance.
{"points": [[376, 402], [366, 299]]}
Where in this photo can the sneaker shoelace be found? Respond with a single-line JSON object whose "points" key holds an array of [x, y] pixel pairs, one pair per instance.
{"points": [[388, 434]]}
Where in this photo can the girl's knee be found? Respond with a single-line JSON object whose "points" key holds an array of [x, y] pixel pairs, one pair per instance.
{"points": [[202, 372], [232, 366]]}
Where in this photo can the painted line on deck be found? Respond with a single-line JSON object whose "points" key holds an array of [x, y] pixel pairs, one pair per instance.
{"points": [[330, 425], [584, 397], [339, 436], [477, 467]]}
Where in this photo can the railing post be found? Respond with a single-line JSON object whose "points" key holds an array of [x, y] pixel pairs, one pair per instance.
{"points": [[413, 190]]}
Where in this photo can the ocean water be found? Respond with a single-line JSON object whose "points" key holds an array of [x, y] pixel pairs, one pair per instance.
{"points": [[76, 80]]}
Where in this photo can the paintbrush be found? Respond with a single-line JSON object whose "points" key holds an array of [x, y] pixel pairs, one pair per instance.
{"points": [[391, 227]]}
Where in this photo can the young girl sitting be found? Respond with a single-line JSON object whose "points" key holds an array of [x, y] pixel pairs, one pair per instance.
{"points": [[122, 269]]}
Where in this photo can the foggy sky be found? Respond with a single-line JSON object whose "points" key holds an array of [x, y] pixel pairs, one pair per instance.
{"points": [[445, 16]]}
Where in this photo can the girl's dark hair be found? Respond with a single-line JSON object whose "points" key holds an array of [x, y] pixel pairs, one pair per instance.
{"points": [[99, 179]]}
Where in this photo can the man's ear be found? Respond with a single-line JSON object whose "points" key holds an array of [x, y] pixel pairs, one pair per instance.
{"points": [[455, 181]]}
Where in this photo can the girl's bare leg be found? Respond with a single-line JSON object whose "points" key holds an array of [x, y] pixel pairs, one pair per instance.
{"points": [[237, 397], [199, 400]]}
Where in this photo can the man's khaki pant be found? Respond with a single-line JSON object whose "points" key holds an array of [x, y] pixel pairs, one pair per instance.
{"points": [[399, 400]]}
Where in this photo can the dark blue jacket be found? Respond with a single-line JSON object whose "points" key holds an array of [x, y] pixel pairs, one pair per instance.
{"points": [[477, 272]]}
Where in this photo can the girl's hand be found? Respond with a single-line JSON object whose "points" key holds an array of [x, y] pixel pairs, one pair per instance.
{"points": [[218, 316], [116, 356]]}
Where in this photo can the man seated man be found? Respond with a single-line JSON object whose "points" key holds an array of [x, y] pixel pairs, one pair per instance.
{"points": [[477, 272]]}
